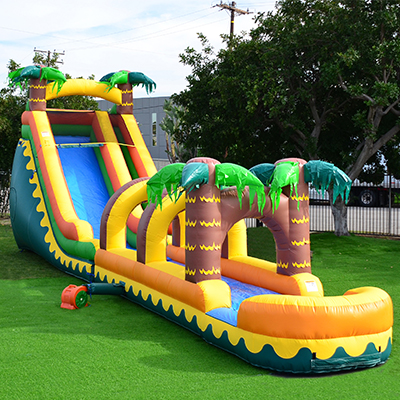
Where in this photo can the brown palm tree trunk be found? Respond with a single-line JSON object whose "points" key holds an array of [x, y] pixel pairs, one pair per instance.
{"points": [[203, 229], [126, 107], [296, 257], [37, 94]]}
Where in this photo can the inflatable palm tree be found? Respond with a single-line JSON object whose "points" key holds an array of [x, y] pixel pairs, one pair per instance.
{"points": [[202, 179], [126, 80], [37, 76], [285, 181]]}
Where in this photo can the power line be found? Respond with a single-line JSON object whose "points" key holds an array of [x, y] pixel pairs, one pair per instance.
{"points": [[49, 59], [232, 8], [152, 35], [91, 44]]}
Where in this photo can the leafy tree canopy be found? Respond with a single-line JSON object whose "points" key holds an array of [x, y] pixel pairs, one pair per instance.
{"points": [[317, 79], [221, 119]]}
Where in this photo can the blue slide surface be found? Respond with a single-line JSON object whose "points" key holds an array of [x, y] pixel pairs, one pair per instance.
{"points": [[84, 179]]}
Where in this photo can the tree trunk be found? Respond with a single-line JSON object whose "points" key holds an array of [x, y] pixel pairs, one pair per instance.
{"points": [[297, 257], [339, 212], [37, 94], [203, 229], [127, 99]]}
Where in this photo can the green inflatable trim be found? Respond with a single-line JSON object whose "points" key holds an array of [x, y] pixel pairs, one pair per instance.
{"points": [[77, 130]]}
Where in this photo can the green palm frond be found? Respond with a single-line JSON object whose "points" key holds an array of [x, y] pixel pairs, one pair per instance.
{"points": [[285, 173], [106, 77], [13, 75], [135, 78], [321, 174], [115, 78], [53, 74], [194, 175], [263, 172], [228, 174], [24, 74], [36, 72], [167, 178]]}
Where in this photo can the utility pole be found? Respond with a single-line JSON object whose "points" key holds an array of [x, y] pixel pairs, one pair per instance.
{"points": [[49, 58], [232, 8]]}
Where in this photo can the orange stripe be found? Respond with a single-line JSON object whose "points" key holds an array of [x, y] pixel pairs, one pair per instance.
{"points": [[106, 155], [176, 253], [133, 151], [140, 154], [167, 284], [259, 277], [68, 229], [176, 288], [111, 157], [120, 265]]}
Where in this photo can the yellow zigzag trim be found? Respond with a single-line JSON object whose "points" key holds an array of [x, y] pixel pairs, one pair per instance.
{"points": [[190, 199], [126, 104], [305, 264], [37, 100], [190, 271], [126, 91], [304, 197], [210, 224], [302, 243], [189, 247], [54, 249], [210, 248], [212, 199], [191, 223], [304, 220], [282, 265], [210, 271], [37, 86]]}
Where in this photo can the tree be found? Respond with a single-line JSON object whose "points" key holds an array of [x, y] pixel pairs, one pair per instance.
{"points": [[220, 119], [12, 104], [324, 74], [171, 124]]}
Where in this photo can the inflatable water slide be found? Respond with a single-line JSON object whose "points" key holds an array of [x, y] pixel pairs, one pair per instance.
{"points": [[86, 196]]}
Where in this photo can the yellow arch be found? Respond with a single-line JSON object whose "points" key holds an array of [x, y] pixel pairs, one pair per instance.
{"points": [[125, 203], [84, 87], [157, 229]]}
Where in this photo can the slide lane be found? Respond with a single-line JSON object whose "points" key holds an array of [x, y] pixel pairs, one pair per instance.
{"points": [[72, 179], [84, 179]]}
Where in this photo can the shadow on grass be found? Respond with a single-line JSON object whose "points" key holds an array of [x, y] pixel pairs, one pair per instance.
{"points": [[34, 310], [30, 296], [324, 375], [18, 264]]}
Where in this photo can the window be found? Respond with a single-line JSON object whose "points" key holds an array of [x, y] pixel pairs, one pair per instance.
{"points": [[154, 128]]}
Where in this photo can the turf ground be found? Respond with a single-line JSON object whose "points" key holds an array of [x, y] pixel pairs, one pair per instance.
{"points": [[114, 349]]}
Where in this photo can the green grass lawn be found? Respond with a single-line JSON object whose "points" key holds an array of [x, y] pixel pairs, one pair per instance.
{"points": [[114, 349]]}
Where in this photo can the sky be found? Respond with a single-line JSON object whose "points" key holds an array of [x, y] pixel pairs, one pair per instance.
{"points": [[103, 36]]}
